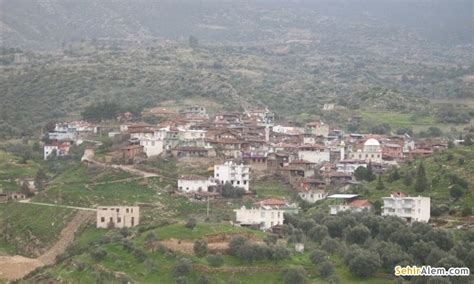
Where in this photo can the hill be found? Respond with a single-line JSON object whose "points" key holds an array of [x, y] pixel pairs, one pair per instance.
{"points": [[50, 24]]}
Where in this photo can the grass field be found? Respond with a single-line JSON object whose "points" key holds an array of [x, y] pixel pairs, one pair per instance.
{"points": [[272, 188], [28, 229], [11, 169]]}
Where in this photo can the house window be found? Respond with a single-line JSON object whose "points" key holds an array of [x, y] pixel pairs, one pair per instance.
{"points": [[119, 220], [117, 210], [102, 219], [245, 182], [126, 210]]}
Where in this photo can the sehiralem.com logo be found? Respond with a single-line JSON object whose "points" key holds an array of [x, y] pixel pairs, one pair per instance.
{"points": [[427, 270]]}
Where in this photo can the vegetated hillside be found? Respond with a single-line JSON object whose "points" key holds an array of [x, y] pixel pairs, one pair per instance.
{"points": [[450, 176], [295, 83], [28, 229], [49, 24]]}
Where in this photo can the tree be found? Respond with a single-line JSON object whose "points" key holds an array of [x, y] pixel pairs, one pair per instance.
{"points": [[364, 263], [394, 175], [191, 223], [193, 41], [456, 191], [380, 185], [370, 173], [279, 252], [326, 269], [361, 173], [294, 275], [318, 233], [421, 183], [181, 280], [407, 179], [317, 256], [236, 243], [200, 248], [229, 191], [215, 260], [40, 179], [330, 245], [358, 234]]}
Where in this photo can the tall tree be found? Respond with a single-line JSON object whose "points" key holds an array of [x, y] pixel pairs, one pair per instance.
{"points": [[421, 183]]}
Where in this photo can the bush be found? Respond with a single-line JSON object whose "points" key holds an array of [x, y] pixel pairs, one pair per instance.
{"points": [[182, 267], [139, 254], [317, 256], [326, 269], [191, 223], [235, 244], [181, 280], [279, 253], [294, 275], [98, 254], [466, 211], [200, 248], [215, 260], [203, 279]]}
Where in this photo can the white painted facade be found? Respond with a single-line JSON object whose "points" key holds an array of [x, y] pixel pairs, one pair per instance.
{"points": [[411, 208], [118, 216], [152, 147], [190, 134], [237, 175], [265, 216], [48, 150], [316, 156], [194, 184], [312, 196], [349, 167]]}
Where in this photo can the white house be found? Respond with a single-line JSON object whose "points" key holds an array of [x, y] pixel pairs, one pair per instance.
{"points": [[350, 203], [237, 175], [314, 153], [371, 152], [410, 208], [118, 216], [152, 147], [349, 166], [194, 183], [312, 195], [265, 216], [61, 149]]}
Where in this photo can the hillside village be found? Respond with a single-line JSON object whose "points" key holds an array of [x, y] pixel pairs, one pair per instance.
{"points": [[236, 148]]}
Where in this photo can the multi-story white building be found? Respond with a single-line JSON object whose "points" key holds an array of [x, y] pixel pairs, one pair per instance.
{"points": [[237, 175], [265, 217], [118, 216], [193, 183], [410, 208], [350, 202]]}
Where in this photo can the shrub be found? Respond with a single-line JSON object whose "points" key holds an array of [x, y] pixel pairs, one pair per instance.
{"points": [[182, 267], [330, 245], [215, 260], [235, 244], [191, 223], [326, 269], [98, 254], [317, 256], [294, 275], [200, 248]]}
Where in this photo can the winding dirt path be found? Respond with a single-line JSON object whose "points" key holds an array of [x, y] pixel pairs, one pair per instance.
{"points": [[16, 267]]}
